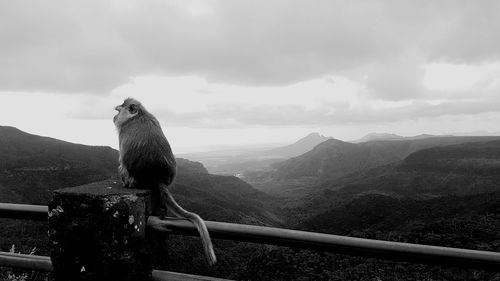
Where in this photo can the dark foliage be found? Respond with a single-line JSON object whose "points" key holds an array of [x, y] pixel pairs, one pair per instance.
{"points": [[469, 222]]}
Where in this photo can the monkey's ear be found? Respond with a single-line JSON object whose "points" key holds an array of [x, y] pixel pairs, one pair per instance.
{"points": [[133, 108]]}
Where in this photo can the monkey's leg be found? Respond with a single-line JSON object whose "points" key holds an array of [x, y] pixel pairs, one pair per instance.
{"points": [[127, 180], [123, 173]]}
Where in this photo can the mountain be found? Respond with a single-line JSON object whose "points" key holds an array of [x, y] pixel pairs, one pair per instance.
{"points": [[457, 170], [463, 169], [378, 136], [334, 159], [388, 136], [299, 147], [23, 151], [330, 159], [32, 166]]}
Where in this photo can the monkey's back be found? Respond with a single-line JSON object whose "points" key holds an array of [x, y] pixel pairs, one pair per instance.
{"points": [[146, 153]]}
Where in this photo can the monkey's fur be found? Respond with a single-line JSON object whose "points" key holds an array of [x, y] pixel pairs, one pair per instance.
{"points": [[146, 161]]}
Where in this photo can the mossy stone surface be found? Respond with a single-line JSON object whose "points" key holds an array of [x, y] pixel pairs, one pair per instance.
{"points": [[97, 232]]}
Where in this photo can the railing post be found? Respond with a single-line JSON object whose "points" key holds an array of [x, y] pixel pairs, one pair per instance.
{"points": [[97, 232]]}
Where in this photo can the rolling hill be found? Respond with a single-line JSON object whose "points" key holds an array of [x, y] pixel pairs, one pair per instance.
{"points": [[456, 170], [334, 159], [378, 136], [469, 168], [32, 166]]}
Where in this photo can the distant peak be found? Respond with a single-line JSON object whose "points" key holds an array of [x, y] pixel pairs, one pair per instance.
{"points": [[315, 135], [379, 136], [313, 139], [423, 136], [332, 142], [301, 146]]}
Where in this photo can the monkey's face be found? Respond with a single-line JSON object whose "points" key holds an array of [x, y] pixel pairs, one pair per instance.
{"points": [[126, 112]]}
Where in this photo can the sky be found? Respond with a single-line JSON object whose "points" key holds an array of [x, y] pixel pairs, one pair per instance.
{"points": [[234, 73]]}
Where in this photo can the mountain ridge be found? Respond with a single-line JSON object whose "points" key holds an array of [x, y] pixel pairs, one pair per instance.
{"points": [[457, 170], [334, 159], [299, 147], [378, 136]]}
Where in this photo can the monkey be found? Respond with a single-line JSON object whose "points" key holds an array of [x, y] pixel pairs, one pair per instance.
{"points": [[146, 161]]}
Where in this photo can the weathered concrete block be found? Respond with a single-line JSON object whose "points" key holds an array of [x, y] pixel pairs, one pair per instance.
{"points": [[97, 232]]}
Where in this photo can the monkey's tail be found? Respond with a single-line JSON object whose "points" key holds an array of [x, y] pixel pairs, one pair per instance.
{"points": [[195, 219]]}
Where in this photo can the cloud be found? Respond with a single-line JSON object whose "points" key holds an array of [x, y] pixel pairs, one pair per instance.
{"points": [[93, 47], [251, 65], [91, 108], [465, 33], [328, 101], [62, 47], [330, 114], [398, 78]]}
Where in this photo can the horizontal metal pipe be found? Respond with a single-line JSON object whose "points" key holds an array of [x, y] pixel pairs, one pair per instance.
{"points": [[43, 263], [337, 244], [40, 263], [23, 211], [159, 275]]}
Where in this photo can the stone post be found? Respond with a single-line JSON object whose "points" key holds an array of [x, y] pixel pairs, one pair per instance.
{"points": [[97, 232]]}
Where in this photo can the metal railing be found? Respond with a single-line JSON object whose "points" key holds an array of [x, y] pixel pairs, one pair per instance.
{"points": [[23, 211], [42, 263], [292, 238]]}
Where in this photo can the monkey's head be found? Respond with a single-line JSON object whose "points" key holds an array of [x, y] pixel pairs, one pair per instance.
{"points": [[128, 110]]}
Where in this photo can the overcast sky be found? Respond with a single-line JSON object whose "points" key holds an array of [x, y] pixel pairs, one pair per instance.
{"points": [[250, 72]]}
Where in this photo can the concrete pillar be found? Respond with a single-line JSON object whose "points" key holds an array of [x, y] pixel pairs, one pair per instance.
{"points": [[97, 232]]}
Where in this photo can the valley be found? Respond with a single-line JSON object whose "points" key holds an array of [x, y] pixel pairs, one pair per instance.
{"points": [[437, 190]]}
